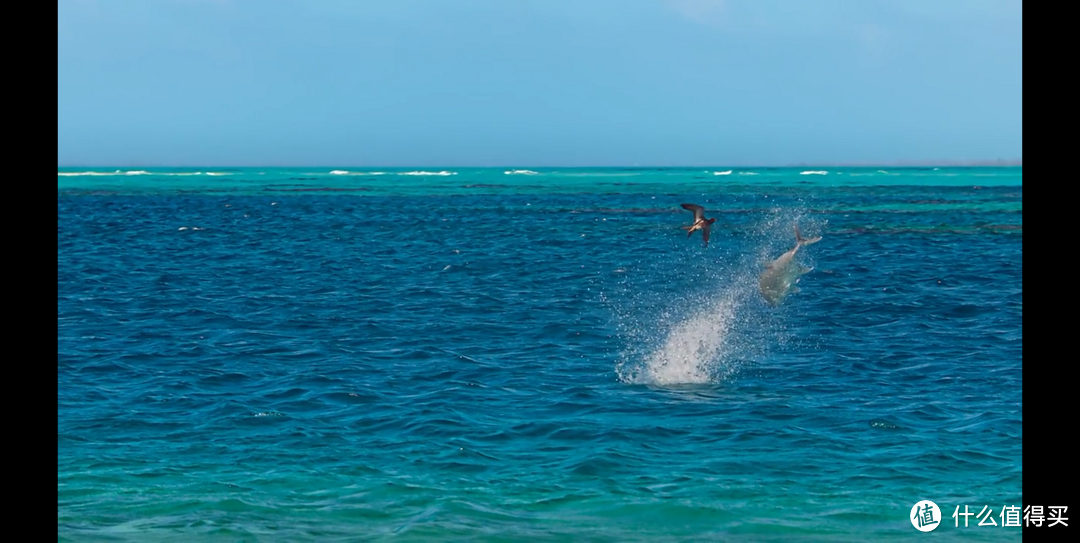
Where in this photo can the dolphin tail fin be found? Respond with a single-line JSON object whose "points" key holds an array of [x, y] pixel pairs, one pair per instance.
{"points": [[799, 240]]}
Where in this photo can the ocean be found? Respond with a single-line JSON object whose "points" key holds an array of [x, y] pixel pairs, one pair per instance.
{"points": [[541, 354]]}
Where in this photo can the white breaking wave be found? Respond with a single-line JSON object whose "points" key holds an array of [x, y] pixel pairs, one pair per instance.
{"points": [[122, 172], [602, 174], [339, 172], [520, 172], [814, 172], [748, 173], [428, 173], [138, 172], [722, 173]]}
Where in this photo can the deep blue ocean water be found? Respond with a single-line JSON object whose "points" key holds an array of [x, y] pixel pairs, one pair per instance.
{"points": [[294, 354]]}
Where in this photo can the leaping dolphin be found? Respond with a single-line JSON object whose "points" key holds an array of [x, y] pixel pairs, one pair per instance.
{"points": [[700, 222], [779, 278]]}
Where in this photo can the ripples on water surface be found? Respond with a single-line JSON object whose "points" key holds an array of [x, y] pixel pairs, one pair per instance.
{"points": [[285, 354]]}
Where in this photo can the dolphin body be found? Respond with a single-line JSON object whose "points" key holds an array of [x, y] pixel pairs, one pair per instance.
{"points": [[779, 278]]}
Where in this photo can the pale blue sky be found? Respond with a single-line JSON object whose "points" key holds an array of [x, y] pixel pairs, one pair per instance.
{"points": [[537, 82]]}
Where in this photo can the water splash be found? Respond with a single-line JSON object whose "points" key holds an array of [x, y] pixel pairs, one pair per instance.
{"points": [[691, 337], [692, 352], [707, 336]]}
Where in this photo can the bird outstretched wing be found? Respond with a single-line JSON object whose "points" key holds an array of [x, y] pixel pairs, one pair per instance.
{"points": [[699, 212]]}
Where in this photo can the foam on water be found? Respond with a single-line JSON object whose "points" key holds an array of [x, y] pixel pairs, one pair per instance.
{"points": [[347, 172], [121, 173], [90, 173]]}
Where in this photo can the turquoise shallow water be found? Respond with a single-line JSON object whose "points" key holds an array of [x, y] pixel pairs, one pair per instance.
{"points": [[447, 353]]}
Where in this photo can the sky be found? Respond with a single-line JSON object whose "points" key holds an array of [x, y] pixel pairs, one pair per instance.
{"points": [[537, 82]]}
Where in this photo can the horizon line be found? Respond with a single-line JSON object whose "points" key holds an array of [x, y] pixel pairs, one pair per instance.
{"points": [[901, 164]]}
